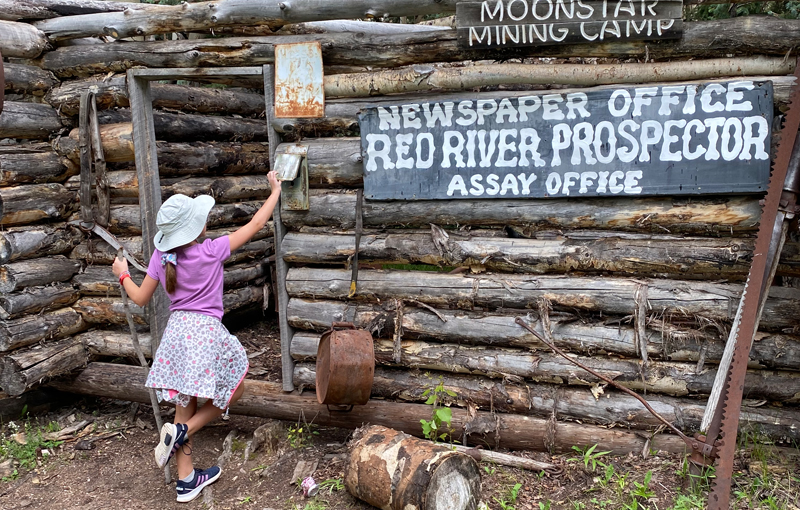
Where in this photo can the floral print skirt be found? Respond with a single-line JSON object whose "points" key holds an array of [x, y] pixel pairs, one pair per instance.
{"points": [[197, 357]]}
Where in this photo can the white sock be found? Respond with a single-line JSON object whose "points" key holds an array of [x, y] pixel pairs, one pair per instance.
{"points": [[189, 478]]}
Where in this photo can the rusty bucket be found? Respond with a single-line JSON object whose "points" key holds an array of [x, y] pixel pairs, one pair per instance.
{"points": [[345, 365]]}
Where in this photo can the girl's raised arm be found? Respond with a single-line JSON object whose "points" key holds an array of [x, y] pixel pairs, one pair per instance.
{"points": [[260, 218], [139, 295]]}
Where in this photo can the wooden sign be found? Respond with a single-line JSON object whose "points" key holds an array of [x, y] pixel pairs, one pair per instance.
{"points": [[648, 140], [512, 23]]}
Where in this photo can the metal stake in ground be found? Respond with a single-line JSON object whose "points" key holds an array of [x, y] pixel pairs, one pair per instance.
{"points": [[142, 360]]}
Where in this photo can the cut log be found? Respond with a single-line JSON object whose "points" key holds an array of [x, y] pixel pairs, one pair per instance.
{"points": [[663, 215], [34, 164], [43, 9], [36, 299], [734, 37], [20, 370], [114, 343], [663, 377], [35, 328], [28, 273], [21, 205], [29, 120], [267, 400], [242, 274], [334, 162], [711, 301], [113, 93], [173, 127], [395, 471], [610, 408], [21, 40], [654, 256], [25, 79], [579, 335], [18, 243]]}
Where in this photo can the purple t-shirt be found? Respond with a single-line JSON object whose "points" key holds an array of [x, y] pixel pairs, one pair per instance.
{"points": [[199, 271]]}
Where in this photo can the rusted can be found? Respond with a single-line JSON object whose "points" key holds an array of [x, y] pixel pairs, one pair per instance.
{"points": [[345, 365]]}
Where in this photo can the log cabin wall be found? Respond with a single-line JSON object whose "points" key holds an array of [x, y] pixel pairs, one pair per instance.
{"points": [[641, 289]]}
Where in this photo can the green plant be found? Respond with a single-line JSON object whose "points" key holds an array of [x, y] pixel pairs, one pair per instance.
{"points": [[316, 504], [689, 502], [31, 440], [642, 490], [545, 505], [608, 475], [332, 484], [489, 470], [299, 435], [578, 505], [245, 500], [440, 415], [588, 457], [238, 445], [509, 498], [601, 504]]}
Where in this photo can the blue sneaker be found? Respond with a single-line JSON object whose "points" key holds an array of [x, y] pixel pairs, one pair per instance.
{"points": [[187, 491], [173, 435]]}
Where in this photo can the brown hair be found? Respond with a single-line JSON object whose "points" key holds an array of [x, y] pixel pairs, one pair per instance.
{"points": [[172, 277]]}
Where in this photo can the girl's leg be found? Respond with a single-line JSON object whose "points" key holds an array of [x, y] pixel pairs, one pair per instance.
{"points": [[183, 415], [209, 412]]}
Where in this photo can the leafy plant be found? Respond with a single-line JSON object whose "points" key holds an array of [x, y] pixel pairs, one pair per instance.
{"points": [[689, 502], [642, 490], [440, 415], [489, 470], [545, 505], [589, 457], [608, 475], [332, 484], [510, 497], [299, 435], [24, 447]]}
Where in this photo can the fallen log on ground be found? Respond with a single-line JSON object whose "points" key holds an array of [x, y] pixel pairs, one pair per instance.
{"points": [[734, 215], [29, 120], [395, 471], [20, 370], [609, 408], [29, 273], [36, 299], [268, 400], [18, 243], [35, 163], [22, 205], [25, 79], [113, 93], [21, 40], [614, 296], [44, 9], [663, 377], [34, 328], [664, 341]]}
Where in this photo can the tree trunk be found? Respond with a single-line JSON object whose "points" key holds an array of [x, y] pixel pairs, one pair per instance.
{"points": [[33, 164], [394, 471], [21, 205], [118, 344], [711, 301], [35, 328], [172, 127], [735, 37], [663, 377], [659, 215], [117, 140], [20, 370], [267, 400], [43, 9], [36, 299], [574, 334], [19, 243], [28, 273], [25, 79], [611, 408], [29, 120], [334, 162], [21, 40]]}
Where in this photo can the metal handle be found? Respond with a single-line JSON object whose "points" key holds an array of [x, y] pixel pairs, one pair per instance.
{"points": [[344, 325]]}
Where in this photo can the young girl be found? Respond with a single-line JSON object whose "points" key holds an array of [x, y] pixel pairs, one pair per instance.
{"points": [[197, 356]]}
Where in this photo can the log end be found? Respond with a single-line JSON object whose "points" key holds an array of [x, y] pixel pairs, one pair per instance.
{"points": [[12, 381], [455, 485]]}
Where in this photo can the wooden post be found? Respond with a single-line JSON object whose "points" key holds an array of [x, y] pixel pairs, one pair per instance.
{"points": [[281, 269], [149, 191]]}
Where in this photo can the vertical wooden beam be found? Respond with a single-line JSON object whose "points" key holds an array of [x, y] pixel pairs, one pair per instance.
{"points": [[287, 363], [99, 165], [144, 143], [85, 145]]}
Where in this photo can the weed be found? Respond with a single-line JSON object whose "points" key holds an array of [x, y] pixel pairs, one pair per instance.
{"points": [[489, 470], [601, 504], [246, 499], [608, 475], [25, 454], [332, 484], [689, 502], [441, 415], [510, 497], [578, 505], [545, 505], [299, 435], [316, 504], [258, 468], [642, 490], [588, 456], [238, 445]]}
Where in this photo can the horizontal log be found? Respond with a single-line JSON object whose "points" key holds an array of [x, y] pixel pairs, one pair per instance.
{"points": [[29, 120], [26, 79], [735, 37], [333, 162], [21, 40], [36, 299], [34, 328], [21, 370], [113, 93], [44, 9], [28, 273], [116, 343], [607, 296], [429, 78], [661, 377], [657, 256], [267, 400], [21, 205], [179, 127], [18, 243], [35, 163], [664, 341], [611, 408]]}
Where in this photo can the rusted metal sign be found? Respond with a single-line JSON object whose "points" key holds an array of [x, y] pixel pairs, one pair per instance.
{"points": [[299, 88], [513, 23]]}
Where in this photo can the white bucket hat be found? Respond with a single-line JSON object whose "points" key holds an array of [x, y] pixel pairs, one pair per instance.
{"points": [[180, 220]]}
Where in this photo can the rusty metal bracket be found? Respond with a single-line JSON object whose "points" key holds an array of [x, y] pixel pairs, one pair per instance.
{"points": [[292, 163]]}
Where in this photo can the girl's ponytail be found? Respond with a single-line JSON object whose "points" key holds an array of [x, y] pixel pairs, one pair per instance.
{"points": [[171, 273]]}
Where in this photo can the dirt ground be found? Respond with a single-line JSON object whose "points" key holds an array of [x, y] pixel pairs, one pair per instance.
{"points": [[108, 463]]}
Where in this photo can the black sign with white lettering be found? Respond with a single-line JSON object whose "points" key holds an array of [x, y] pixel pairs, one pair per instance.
{"points": [[512, 23], [650, 140]]}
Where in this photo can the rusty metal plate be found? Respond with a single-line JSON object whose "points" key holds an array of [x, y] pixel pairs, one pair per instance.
{"points": [[299, 84]]}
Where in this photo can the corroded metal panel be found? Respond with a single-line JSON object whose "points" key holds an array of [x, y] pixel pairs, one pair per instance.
{"points": [[299, 80]]}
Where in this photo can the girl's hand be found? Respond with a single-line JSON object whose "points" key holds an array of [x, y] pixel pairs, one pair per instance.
{"points": [[119, 266], [274, 183]]}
